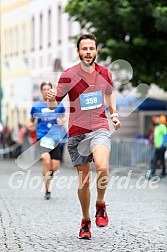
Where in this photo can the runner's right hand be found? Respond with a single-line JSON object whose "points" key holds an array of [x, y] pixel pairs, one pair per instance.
{"points": [[51, 95]]}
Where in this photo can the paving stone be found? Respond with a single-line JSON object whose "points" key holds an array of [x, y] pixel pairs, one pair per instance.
{"points": [[138, 217]]}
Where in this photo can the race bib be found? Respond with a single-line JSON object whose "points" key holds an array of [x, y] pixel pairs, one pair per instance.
{"points": [[47, 143], [91, 100]]}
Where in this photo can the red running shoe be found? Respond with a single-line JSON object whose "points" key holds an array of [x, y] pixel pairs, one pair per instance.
{"points": [[85, 229], [101, 215]]}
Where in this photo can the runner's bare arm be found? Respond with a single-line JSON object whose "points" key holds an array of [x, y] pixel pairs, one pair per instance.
{"points": [[111, 104]]}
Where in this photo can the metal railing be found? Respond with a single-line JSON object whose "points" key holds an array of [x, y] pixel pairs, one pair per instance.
{"points": [[132, 153]]}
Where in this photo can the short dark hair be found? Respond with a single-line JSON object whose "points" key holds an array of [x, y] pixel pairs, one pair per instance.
{"points": [[45, 83], [86, 36]]}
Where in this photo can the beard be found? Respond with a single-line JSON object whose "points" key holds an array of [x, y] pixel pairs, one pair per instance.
{"points": [[86, 63]]}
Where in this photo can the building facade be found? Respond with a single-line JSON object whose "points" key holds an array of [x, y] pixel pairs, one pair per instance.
{"points": [[37, 43]]}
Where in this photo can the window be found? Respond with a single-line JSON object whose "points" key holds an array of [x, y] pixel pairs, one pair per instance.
{"points": [[11, 42], [59, 24], [49, 27], [24, 38], [69, 28], [41, 31], [33, 33], [14, 41], [17, 39], [5, 43]]}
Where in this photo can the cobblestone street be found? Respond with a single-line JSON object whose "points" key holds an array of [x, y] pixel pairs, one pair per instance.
{"points": [[28, 222]]}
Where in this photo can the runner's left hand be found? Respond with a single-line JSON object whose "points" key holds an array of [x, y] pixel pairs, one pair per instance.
{"points": [[116, 122]]}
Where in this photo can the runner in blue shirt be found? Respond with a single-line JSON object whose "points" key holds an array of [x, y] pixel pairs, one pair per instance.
{"points": [[48, 133]]}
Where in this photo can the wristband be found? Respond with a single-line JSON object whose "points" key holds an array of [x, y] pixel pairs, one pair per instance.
{"points": [[114, 115]]}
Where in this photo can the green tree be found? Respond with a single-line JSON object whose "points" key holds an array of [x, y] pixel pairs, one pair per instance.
{"points": [[132, 30]]}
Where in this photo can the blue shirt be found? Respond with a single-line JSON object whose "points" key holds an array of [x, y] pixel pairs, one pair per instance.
{"points": [[47, 120]]}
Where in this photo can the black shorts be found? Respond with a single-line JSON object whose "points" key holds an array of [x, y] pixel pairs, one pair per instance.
{"points": [[54, 153]]}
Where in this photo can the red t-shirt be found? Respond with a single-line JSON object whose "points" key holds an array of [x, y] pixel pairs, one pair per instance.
{"points": [[75, 82]]}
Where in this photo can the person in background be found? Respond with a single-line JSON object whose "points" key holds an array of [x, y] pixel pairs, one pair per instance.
{"points": [[6, 141], [151, 140], [160, 144], [1, 127], [1, 130], [48, 134], [20, 139]]}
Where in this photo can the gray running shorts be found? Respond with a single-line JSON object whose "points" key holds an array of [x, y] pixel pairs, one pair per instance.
{"points": [[80, 147]]}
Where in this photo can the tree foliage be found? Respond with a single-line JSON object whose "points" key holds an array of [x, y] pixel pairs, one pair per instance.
{"points": [[132, 30]]}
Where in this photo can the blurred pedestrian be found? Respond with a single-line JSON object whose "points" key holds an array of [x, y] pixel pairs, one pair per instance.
{"points": [[48, 133], [21, 132], [87, 85], [151, 140], [160, 143], [7, 141], [1, 127]]}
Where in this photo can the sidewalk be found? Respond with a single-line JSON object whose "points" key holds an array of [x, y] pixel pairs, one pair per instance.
{"points": [[28, 223]]}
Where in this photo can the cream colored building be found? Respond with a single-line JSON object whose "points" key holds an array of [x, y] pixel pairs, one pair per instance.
{"points": [[33, 35]]}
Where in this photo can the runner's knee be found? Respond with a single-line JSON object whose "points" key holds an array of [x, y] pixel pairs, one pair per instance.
{"points": [[102, 168]]}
